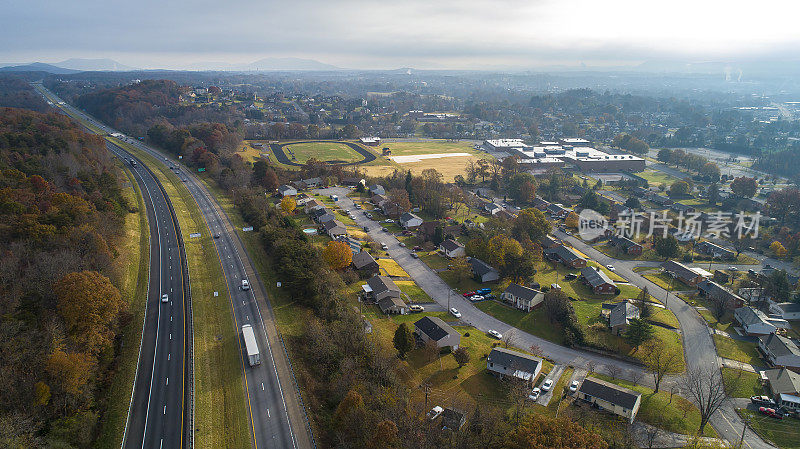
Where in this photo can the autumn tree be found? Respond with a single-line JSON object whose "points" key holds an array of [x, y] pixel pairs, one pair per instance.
{"points": [[288, 204], [90, 306], [679, 189], [403, 340], [571, 221], [666, 247], [778, 249], [660, 359], [337, 254], [400, 198], [537, 431], [71, 370], [500, 248], [461, 355], [744, 187], [531, 224], [384, 436]]}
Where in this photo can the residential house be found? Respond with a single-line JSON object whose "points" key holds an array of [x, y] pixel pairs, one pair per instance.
{"points": [[302, 199], [607, 396], [786, 310], [312, 182], [715, 250], [753, 321], [453, 419], [409, 220], [492, 208], [557, 210], [483, 272], [427, 229], [683, 273], [286, 190], [351, 182], [299, 185], [780, 352], [365, 263], [378, 200], [627, 245], [393, 305], [712, 290], [432, 328], [334, 229], [661, 200], [521, 297], [325, 217], [452, 248], [313, 205], [549, 241], [377, 189], [620, 315], [379, 287], [514, 364], [540, 204], [784, 385], [679, 207], [566, 255], [598, 281], [315, 214]]}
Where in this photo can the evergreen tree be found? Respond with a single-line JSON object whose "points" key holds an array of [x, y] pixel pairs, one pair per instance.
{"points": [[639, 331], [403, 340]]}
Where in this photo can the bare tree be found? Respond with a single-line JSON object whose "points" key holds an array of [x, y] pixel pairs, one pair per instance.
{"points": [[591, 365], [431, 350], [637, 376], [536, 350], [659, 359], [613, 370], [708, 389], [508, 337], [651, 434]]}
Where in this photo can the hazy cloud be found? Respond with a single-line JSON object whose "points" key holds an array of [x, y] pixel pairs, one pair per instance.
{"points": [[377, 34]]}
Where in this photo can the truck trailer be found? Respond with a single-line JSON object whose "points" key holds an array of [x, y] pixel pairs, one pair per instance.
{"points": [[253, 356]]}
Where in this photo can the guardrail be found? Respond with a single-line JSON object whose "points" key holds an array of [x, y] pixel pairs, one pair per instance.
{"points": [[297, 390]]}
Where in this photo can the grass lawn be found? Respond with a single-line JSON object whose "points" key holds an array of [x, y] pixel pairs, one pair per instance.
{"points": [[323, 151], [742, 351], [615, 252], [414, 293], [783, 433], [656, 177], [433, 260], [391, 268], [131, 266], [220, 414], [663, 280], [428, 147], [661, 411], [664, 316], [747, 383], [467, 285]]}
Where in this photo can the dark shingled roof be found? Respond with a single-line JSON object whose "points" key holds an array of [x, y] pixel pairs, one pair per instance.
{"points": [[380, 284], [520, 291], [480, 267], [362, 259], [595, 277], [450, 245], [609, 392], [434, 328], [517, 360]]}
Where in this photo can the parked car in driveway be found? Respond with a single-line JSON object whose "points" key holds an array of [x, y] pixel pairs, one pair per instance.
{"points": [[770, 412], [435, 412], [570, 276], [468, 294], [573, 387], [495, 334], [547, 384], [415, 255], [416, 308], [417, 248], [476, 298], [483, 291], [762, 400], [535, 394], [455, 312]]}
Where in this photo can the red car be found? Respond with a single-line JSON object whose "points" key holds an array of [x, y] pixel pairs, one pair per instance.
{"points": [[770, 412], [468, 294], [417, 248]]}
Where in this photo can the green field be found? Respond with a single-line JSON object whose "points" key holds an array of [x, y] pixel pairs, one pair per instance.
{"points": [[782, 433], [656, 178], [323, 151], [742, 351], [428, 147]]}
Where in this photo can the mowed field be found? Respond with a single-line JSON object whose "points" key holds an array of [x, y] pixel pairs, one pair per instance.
{"points": [[449, 167], [427, 147], [323, 151]]}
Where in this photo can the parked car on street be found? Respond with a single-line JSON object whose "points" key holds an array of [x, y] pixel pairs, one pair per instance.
{"points": [[468, 294], [384, 230], [455, 312], [435, 412], [495, 334], [611, 267], [415, 255]]}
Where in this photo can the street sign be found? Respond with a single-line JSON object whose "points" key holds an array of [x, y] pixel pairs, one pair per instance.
{"points": [[247, 229]]}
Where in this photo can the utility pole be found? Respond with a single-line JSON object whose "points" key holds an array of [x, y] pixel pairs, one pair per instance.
{"points": [[426, 388], [744, 428]]}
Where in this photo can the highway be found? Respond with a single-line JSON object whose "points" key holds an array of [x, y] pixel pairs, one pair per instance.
{"points": [[276, 417], [157, 414]]}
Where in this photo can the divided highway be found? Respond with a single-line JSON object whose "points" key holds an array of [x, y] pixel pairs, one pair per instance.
{"points": [[276, 417], [157, 417]]}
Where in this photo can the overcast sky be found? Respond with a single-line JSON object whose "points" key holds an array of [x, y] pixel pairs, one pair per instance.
{"points": [[389, 34]]}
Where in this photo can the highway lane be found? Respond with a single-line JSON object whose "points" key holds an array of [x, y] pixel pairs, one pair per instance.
{"points": [[157, 413], [276, 418]]}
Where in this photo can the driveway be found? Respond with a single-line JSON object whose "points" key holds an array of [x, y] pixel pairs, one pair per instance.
{"points": [[553, 375]]}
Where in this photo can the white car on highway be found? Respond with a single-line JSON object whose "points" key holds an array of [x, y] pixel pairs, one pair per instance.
{"points": [[164, 298], [611, 267]]}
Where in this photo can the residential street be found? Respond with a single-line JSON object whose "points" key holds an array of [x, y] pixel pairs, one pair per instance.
{"points": [[698, 345]]}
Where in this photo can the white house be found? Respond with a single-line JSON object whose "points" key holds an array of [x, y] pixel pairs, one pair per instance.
{"points": [[607, 396], [753, 321], [780, 352], [431, 328], [505, 362], [452, 248], [287, 190], [521, 297], [409, 220]]}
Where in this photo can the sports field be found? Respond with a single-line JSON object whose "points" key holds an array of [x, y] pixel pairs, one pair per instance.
{"points": [[427, 147], [323, 151]]}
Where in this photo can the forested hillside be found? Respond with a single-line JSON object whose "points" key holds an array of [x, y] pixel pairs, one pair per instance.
{"points": [[61, 211]]}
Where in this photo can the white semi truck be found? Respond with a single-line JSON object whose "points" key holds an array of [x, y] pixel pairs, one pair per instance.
{"points": [[253, 356]]}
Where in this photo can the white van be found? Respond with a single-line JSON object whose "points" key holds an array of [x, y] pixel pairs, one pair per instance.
{"points": [[245, 284]]}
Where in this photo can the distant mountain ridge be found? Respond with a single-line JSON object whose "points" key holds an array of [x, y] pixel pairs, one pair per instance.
{"points": [[103, 64], [38, 67], [266, 64]]}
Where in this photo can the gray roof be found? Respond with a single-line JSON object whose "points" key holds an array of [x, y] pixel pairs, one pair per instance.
{"points": [[595, 276], [435, 328], [285, 187], [783, 380], [362, 259], [624, 242], [779, 345], [409, 216], [450, 245], [326, 217], [749, 315], [621, 313], [565, 253], [789, 307], [520, 291], [334, 225], [607, 391], [310, 181], [715, 290], [391, 301], [714, 248], [680, 270], [380, 284], [517, 360], [480, 267]]}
